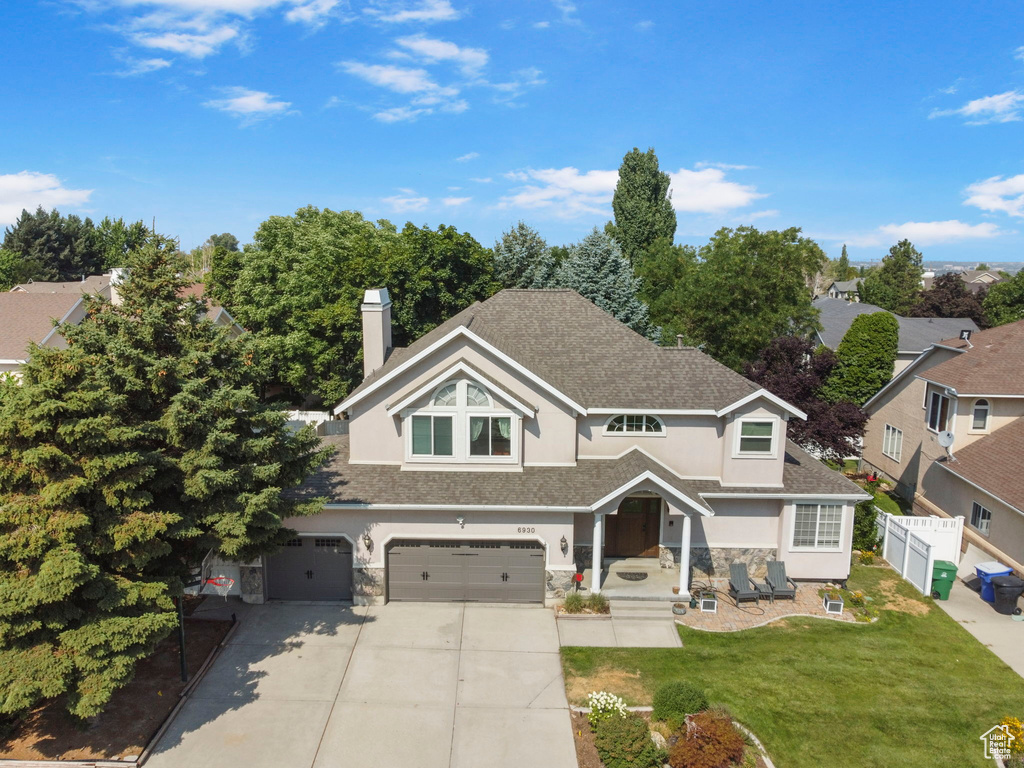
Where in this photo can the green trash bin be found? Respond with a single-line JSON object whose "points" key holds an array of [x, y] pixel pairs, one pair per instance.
{"points": [[943, 576]]}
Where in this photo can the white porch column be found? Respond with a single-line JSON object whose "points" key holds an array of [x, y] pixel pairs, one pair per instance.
{"points": [[684, 560], [598, 547]]}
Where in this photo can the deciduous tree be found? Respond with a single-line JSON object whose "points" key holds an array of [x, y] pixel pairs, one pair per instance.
{"points": [[1004, 302], [124, 459], [949, 296], [225, 240], [895, 286], [867, 357], [642, 204]]}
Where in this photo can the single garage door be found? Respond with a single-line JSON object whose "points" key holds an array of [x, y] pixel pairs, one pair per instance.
{"points": [[311, 568], [478, 571]]}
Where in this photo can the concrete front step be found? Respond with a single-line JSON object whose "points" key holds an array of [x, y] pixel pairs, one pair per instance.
{"points": [[641, 609]]}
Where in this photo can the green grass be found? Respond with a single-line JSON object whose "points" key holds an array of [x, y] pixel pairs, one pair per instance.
{"points": [[909, 690]]}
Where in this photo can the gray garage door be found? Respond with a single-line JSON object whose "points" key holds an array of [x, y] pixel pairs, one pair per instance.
{"points": [[311, 568], [481, 571]]}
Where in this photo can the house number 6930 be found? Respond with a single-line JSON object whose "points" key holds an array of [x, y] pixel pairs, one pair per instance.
{"points": [[523, 529]]}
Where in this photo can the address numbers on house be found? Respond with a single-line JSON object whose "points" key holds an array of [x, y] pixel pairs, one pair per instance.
{"points": [[525, 529]]}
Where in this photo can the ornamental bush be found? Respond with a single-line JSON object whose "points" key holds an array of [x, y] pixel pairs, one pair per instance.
{"points": [[709, 740], [604, 705], [598, 603], [625, 742], [573, 603], [674, 700]]}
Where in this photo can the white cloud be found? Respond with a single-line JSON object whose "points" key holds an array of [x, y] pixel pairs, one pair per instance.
{"points": [[426, 11], [530, 77], [707, 191], [568, 10], [484, 180], [470, 60], [135, 67], [29, 189], [761, 214], [644, 26], [313, 12], [400, 114], [924, 233], [467, 157], [196, 46], [564, 191], [1019, 53], [1001, 108], [725, 166], [403, 204], [998, 194], [453, 202], [248, 105], [541, 24], [398, 79]]}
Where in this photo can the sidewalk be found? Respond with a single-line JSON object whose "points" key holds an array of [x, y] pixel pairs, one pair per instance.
{"points": [[1000, 634]]}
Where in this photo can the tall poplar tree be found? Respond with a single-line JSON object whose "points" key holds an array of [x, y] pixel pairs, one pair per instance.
{"points": [[642, 204], [867, 357], [124, 459]]}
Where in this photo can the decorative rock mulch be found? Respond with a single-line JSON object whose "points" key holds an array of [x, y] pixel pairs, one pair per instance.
{"points": [[747, 615]]}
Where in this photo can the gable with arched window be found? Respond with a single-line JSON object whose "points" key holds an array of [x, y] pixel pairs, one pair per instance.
{"points": [[462, 422], [633, 423]]}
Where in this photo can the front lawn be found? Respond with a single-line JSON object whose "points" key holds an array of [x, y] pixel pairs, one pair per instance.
{"points": [[913, 689]]}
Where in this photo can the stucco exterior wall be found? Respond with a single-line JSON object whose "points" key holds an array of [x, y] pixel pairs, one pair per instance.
{"points": [[752, 523], [817, 564], [752, 470], [691, 445]]}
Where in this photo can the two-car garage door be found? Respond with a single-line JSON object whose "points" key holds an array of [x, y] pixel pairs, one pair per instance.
{"points": [[452, 571]]}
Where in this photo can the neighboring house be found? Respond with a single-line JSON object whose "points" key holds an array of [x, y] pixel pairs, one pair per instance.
{"points": [[847, 290], [99, 284], [974, 278], [29, 317], [916, 333], [973, 388], [533, 436]]}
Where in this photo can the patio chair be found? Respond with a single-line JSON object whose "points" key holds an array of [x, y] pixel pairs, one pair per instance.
{"points": [[741, 586], [781, 585]]}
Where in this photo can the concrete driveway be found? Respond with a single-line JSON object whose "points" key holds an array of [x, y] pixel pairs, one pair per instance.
{"points": [[409, 685]]}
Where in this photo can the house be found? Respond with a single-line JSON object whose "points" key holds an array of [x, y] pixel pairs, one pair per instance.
{"points": [[975, 279], [847, 290], [29, 317], [531, 437], [916, 333], [971, 387]]}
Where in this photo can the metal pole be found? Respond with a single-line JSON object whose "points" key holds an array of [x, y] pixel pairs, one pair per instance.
{"points": [[181, 639]]}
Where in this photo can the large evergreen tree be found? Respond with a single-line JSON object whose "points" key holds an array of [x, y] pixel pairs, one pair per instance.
{"points": [[642, 204], [597, 270], [522, 259], [124, 458], [867, 357], [55, 247], [1004, 302], [895, 286]]}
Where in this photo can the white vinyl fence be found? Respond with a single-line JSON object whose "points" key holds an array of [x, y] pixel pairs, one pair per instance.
{"points": [[912, 544]]}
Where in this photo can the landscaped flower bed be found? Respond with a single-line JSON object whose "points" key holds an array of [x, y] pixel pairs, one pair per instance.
{"points": [[577, 605], [856, 601]]}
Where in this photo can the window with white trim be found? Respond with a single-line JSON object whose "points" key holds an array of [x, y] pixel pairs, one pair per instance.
{"points": [[490, 436], [460, 422], [981, 519], [756, 437], [979, 416], [938, 413], [432, 436], [892, 442], [817, 526], [632, 422]]}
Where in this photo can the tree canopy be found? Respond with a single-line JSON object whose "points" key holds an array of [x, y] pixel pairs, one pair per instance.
{"points": [[744, 289], [124, 458], [1004, 302], [225, 240], [299, 285], [895, 285], [791, 368], [949, 296], [642, 204], [522, 259], [867, 357]]}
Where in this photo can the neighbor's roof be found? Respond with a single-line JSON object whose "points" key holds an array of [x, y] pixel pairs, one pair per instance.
{"points": [[91, 284], [992, 363], [916, 333], [585, 353], [580, 486], [993, 463], [26, 317], [848, 285]]}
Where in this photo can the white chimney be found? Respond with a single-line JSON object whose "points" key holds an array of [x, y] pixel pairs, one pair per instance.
{"points": [[376, 309]]}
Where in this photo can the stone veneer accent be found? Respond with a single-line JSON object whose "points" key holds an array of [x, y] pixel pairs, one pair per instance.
{"points": [[669, 556], [557, 583], [714, 563], [367, 585], [252, 584]]}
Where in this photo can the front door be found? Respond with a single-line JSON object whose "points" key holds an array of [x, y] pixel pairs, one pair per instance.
{"points": [[633, 530]]}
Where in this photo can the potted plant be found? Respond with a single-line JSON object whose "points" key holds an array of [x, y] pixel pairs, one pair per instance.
{"points": [[679, 609], [832, 600]]}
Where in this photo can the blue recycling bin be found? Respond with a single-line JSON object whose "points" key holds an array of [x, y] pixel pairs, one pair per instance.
{"points": [[986, 572]]}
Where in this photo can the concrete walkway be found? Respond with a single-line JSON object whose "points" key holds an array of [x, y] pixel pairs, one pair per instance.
{"points": [[408, 685], [632, 624], [1000, 634]]}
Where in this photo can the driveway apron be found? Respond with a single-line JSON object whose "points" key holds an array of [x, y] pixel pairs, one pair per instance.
{"points": [[409, 685]]}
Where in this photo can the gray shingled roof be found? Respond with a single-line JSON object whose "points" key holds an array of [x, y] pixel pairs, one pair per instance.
{"points": [[916, 333], [91, 284], [580, 486], [848, 285], [587, 354], [26, 317]]}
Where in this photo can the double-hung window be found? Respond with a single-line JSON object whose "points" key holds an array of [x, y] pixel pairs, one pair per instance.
{"points": [[938, 413], [757, 437], [432, 436], [490, 436], [817, 526], [892, 442], [981, 519]]}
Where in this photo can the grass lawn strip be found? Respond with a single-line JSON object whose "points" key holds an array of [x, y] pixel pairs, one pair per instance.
{"points": [[912, 689]]}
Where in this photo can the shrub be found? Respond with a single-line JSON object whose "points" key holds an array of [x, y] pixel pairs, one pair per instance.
{"points": [[709, 740], [603, 706], [625, 742], [573, 603], [598, 603], [865, 534], [674, 700], [867, 558]]}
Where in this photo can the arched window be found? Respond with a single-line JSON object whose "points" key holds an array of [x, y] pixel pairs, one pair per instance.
{"points": [[476, 397], [644, 422], [980, 416], [447, 396]]}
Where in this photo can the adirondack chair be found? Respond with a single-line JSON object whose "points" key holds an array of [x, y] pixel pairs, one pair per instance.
{"points": [[781, 585], [741, 586]]}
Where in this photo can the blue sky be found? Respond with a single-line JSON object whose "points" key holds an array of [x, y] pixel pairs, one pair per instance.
{"points": [[862, 124]]}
